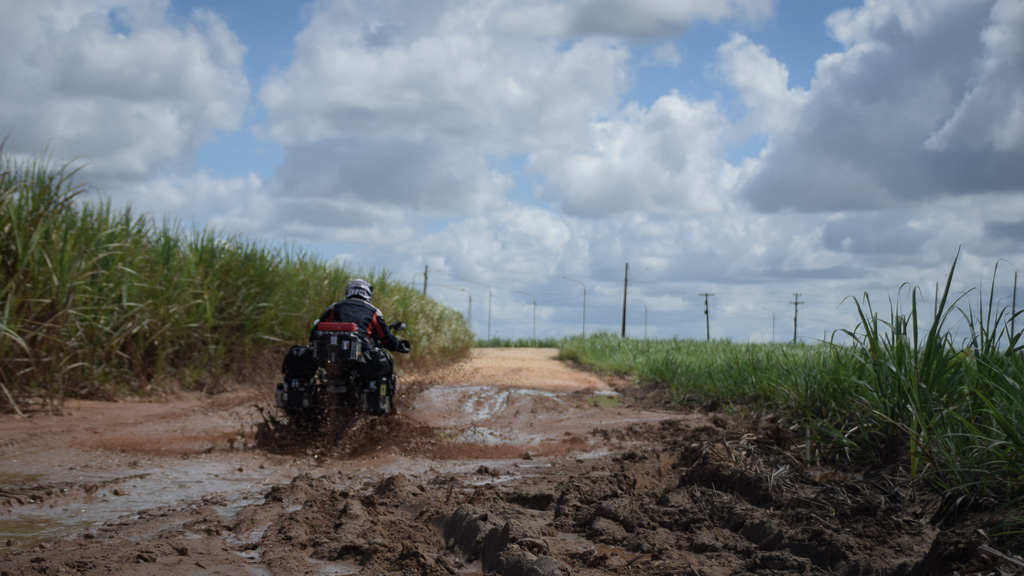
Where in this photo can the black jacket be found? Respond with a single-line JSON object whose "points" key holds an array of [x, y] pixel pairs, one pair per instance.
{"points": [[368, 320]]}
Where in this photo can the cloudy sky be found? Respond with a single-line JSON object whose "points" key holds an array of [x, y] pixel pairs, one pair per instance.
{"points": [[749, 149]]}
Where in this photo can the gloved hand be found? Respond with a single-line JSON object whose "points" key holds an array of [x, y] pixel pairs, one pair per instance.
{"points": [[403, 346]]}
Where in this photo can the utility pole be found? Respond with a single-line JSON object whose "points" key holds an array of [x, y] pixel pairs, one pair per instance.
{"points": [[426, 268], [796, 307], [625, 288], [707, 317]]}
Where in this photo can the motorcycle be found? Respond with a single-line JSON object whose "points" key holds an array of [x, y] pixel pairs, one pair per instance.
{"points": [[337, 374]]}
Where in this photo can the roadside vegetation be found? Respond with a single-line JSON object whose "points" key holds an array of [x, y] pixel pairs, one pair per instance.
{"points": [[97, 302], [520, 343], [904, 392]]}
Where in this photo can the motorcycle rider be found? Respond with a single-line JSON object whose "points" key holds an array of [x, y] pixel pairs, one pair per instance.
{"points": [[358, 309]]}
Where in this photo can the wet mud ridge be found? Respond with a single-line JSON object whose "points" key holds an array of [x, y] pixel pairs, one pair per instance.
{"points": [[508, 482], [679, 501]]}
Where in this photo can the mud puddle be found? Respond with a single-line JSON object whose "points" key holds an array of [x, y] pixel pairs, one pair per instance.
{"points": [[481, 414], [35, 507]]}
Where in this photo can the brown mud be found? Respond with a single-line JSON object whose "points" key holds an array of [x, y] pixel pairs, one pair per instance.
{"points": [[511, 463]]}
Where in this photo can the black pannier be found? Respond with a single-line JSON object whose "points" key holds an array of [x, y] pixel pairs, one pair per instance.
{"points": [[378, 364], [299, 368], [299, 363]]}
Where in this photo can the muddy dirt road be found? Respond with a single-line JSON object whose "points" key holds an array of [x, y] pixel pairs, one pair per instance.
{"points": [[510, 463]]}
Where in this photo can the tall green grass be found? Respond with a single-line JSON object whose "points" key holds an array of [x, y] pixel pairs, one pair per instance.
{"points": [[97, 302], [904, 391], [951, 410], [779, 375], [518, 343]]}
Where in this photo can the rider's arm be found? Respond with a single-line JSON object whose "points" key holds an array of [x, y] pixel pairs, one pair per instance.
{"points": [[379, 330]]}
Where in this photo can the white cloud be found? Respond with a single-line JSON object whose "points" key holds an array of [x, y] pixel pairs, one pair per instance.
{"points": [[635, 19], [456, 78], [199, 196], [434, 177], [914, 18], [411, 109], [529, 242], [762, 84], [655, 18], [370, 78], [117, 83], [672, 157], [667, 158], [991, 113], [866, 136]]}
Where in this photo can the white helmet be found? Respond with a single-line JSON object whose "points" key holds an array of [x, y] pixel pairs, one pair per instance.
{"points": [[359, 289]]}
